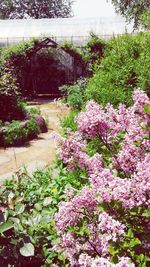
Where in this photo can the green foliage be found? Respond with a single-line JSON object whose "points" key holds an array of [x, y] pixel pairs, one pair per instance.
{"points": [[75, 100], [136, 235], [94, 49], [32, 128], [28, 205], [132, 10], [34, 111], [17, 133], [124, 67], [12, 9], [14, 133], [75, 93], [69, 122], [29, 230], [145, 19], [74, 51], [17, 50], [11, 107]]}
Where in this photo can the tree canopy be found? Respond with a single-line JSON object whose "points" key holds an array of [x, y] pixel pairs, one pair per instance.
{"points": [[133, 10], [23, 9]]}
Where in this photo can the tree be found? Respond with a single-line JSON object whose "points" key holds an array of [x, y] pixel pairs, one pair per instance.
{"points": [[24, 9], [132, 10]]}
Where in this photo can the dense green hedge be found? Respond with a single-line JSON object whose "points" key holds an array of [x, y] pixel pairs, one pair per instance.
{"points": [[125, 66]]}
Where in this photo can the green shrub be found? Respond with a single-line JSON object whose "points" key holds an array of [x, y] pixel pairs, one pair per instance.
{"points": [[28, 205], [74, 51], [69, 122], [75, 93], [11, 106], [17, 50], [75, 100], [124, 67], [94, 50], [34, 111], [32, 128], [17, 132]]}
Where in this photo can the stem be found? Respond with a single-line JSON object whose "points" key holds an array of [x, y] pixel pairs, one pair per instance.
{"points": [[94, 248], [105, 143]]}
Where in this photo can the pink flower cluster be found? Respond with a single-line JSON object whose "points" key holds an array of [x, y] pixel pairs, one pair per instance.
{"points": [[110, 226], [102, 227], [87, 261], [124, 177]]}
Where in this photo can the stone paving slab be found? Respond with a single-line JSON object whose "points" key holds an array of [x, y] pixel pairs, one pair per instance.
{"points": [[16, 150], [4, 159], [40, 143], [35, 165]]}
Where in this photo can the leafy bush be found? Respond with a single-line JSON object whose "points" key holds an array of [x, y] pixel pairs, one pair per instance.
{"points": [[17, 132], [145, 19], [34, 111], [17, 50], [28, 205], [69, 122], [26, 225], [106, 223], [74, 51], [94, 49], [11, 106], [14, 133], [32, 128], [75, 93], [124, 67]]}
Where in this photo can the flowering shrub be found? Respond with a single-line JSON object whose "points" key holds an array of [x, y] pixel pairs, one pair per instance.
{"points": [[106, 222]]}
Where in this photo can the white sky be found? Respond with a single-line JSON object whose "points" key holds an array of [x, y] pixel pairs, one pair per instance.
{"points": [[93, 8]]}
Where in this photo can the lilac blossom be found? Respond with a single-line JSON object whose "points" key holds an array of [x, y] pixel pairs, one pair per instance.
{"points": [[122, 177]]}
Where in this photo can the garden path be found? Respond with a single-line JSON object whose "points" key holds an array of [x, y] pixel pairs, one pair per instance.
{"points": [[38, 153]]}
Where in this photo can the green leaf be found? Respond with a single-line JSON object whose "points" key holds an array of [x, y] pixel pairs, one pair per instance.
{"points": [[47, 201], [6, 226], [19, 208], [38, 206], [147, 109], [15, 220], [27, 250], [146, 212], [113, 251], [114, 259], [130, 233], [134, 242]]}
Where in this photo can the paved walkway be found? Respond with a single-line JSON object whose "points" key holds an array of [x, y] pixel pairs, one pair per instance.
{"points": [[40, 152]]}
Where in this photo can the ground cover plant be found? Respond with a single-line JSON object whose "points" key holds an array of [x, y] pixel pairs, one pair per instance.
{"points": [[106, 223], [27, 207]]}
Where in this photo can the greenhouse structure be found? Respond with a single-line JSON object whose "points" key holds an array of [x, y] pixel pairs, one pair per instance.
{"points": [[72, 29]]}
